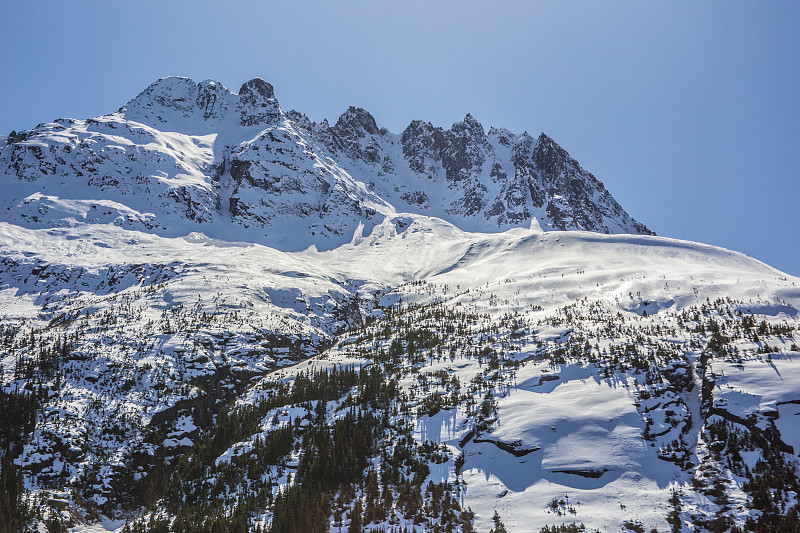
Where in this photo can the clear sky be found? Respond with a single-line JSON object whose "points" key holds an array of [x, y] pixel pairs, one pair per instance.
{"points": [[688, 111]]}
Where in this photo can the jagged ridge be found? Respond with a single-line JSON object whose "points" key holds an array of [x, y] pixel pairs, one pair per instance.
{"points": [[185, 156]]}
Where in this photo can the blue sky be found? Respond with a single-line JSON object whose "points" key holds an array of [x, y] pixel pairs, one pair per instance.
{"points": [[687, 111]]}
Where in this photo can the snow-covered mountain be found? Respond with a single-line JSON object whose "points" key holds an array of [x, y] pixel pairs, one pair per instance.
{"points": [[217, 315], [185, 156]]}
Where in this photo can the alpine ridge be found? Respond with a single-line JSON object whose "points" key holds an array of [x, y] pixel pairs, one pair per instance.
{"points": [[218, 315], [184, 155]]}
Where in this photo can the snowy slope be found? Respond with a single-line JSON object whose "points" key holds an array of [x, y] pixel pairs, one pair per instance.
{"points": [[576, 427], [176, 276], [271, 308]]}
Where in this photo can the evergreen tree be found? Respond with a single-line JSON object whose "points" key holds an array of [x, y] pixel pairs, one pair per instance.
{"points": [[499, 527]]}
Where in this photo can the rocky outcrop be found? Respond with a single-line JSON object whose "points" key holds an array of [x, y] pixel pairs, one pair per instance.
{"points": [[257, 104]]}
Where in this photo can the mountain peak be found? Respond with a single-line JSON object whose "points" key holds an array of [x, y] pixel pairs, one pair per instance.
{"points": [[469, 128], [269, 173], [470, 124], [550, 154], [257, 103], [211, 99], [357, 121], [171, 92], [180, 102], [470, 119], [259, 87]]}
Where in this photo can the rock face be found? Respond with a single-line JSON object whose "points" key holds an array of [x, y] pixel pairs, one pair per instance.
{"points": [[257, 104], [185, 156]]}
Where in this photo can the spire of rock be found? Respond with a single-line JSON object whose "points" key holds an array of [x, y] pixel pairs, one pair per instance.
{"points": [[257, 103]]}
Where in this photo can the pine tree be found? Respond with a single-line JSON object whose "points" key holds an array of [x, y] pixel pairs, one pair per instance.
{"points": [[499, 527], [355, 518]]}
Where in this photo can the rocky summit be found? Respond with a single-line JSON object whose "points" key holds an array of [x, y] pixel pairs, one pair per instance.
{"points": [[217, 315], [195, 156]]}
